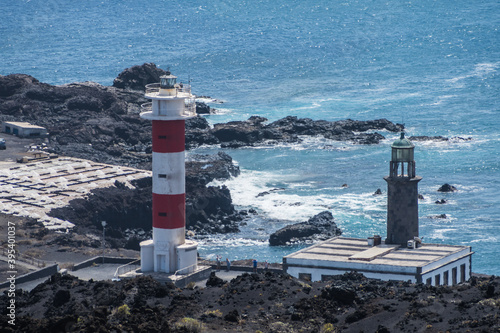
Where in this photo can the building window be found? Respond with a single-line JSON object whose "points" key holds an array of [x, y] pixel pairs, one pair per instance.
{"points": [[162, 214], [428, 281], [437, 280], [305, 276], [162, 137], [454, 276], [326, 277], [445, 278], [162, 175], [462, 273]]}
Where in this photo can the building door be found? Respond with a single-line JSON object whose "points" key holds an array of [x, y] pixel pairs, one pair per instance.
{"points": [[161, 262]]}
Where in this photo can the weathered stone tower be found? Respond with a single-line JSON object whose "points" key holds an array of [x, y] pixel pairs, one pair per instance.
{"points": [[402, 194]]}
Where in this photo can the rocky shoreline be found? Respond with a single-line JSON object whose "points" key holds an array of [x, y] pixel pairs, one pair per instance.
{"points": [[100, 123]]}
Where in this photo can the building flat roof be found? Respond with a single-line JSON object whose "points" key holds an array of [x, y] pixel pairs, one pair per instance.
{"points": [[356, 250], [23, 124]]}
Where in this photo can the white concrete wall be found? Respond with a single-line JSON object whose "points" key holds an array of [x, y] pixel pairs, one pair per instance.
{"points": [[165, 242], [351, 266], [147, 255], [449, 267], [390, 273], [446, 259], [172, 107], [187, 256], [171, 165], [316, 274]]}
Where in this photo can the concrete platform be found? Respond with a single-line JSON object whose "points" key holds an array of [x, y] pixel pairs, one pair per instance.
{"points": [[201, 273]]}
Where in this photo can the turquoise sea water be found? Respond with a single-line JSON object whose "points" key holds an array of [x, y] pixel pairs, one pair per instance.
{"points": [[433, 65]]}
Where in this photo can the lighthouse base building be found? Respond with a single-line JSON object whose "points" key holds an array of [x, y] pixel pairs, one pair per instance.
{"points": [[433, 264]]}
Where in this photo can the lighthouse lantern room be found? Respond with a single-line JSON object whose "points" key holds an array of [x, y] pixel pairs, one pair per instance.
{"points": [[171, 105]]}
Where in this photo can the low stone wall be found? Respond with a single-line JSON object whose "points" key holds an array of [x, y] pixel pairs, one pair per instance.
{"points": [[41, 273], [99, 260]]}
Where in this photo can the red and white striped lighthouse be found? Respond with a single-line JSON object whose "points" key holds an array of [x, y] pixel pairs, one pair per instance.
{"points": [[171, 105]]}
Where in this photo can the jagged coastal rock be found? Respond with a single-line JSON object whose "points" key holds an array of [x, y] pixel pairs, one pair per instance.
{"points": [[137, 77], [319, 227], [289, 129], [447, 188], [101, 123], [438, 138]]}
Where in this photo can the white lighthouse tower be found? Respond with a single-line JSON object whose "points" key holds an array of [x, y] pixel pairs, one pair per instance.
{"points": [[171, 105]]}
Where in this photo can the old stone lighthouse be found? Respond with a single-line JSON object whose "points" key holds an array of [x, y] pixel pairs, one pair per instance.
{"points": [[402, 256]]}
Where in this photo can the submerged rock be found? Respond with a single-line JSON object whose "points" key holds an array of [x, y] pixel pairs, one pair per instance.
{"points": [[447, 188], [319, 227]]}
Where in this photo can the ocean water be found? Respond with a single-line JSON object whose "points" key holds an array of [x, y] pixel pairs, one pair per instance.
{"points": [[433, 65]]}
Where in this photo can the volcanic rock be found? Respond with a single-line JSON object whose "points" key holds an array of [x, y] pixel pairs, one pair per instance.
{"points": [[428, 138], [137, 77], [319, 227], [254, 131], [266, 302], [100, 123], [447, 188], [214, 281], [203, 108]]}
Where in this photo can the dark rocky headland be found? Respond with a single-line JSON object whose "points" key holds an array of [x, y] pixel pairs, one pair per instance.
{"points": [[102, 123]]}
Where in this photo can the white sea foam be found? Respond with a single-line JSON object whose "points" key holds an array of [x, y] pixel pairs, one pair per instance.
{"points": [[441, 234], [264, 191], [480, 71]]}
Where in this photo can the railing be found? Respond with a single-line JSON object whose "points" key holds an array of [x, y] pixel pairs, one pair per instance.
{"points": [[26, 259], [126, 268], [184, 269], [154, 88], [189, 108]]}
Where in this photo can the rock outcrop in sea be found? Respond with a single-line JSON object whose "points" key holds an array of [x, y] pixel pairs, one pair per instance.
{"points": [[254, 131], [319, 227], [447, 188]]}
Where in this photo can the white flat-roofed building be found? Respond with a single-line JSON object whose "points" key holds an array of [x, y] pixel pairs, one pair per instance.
{"points": [[434, 264], [23, 129]]}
